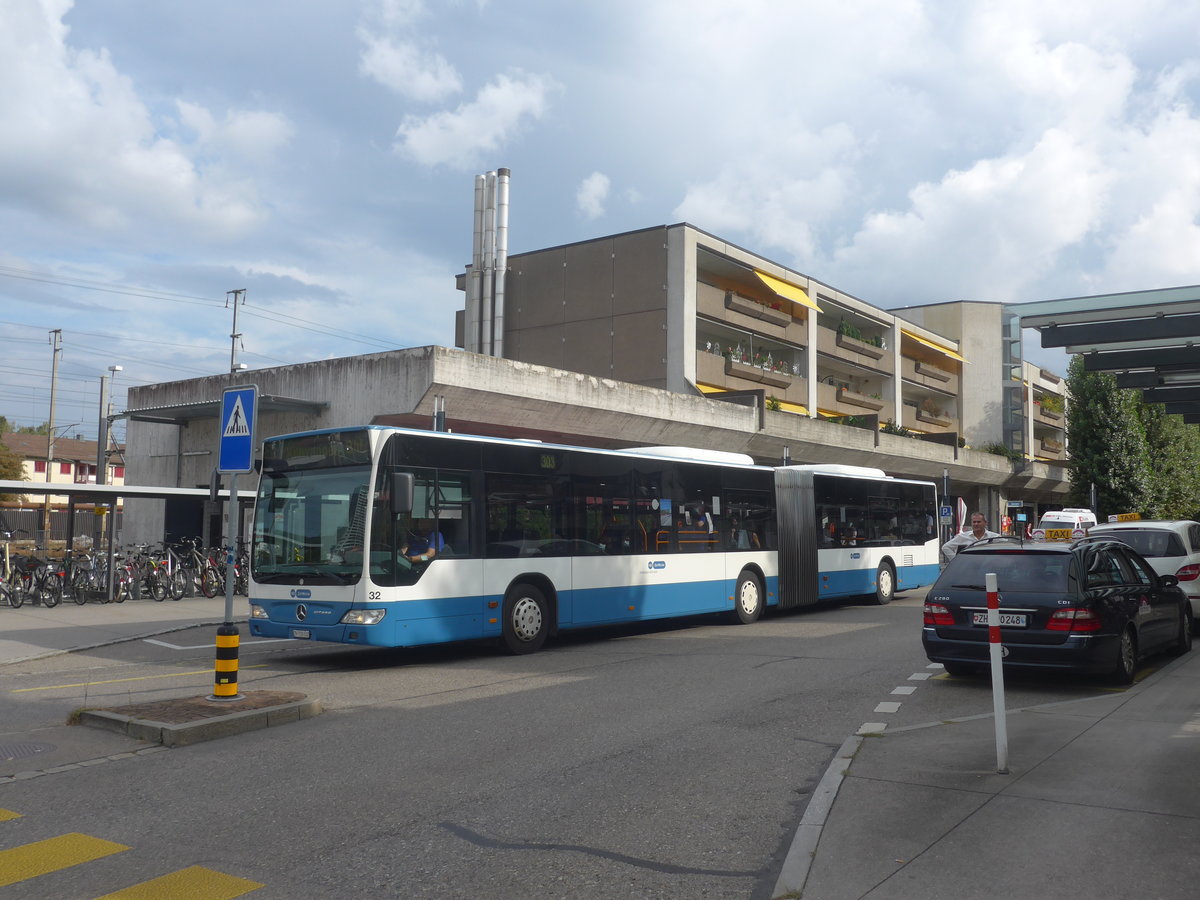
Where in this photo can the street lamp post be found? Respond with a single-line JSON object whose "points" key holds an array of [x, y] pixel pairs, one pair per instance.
{"points": [[102, 466], [102, 430]]}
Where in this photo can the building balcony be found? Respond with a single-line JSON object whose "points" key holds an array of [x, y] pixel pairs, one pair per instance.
{"points": [[717, 371], [928, 375], [931, 423], [1050, 449], [1046, 417], [856, 352], [753, 314], [847, 402]]}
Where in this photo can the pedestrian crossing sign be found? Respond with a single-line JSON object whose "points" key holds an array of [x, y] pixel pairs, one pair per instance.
{"points": [[239, 408]]}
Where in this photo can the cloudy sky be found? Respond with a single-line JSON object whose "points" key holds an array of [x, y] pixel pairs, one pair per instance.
{"points": [[321, 155]]}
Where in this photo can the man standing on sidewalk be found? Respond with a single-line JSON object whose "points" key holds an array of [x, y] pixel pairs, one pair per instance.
{"points": [[978, 532]]}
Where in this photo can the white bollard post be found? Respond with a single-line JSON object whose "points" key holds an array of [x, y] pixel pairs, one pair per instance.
{"points": [[994, 648]]}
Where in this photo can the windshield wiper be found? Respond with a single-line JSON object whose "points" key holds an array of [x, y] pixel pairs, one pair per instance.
{"points": [[971, 587]]}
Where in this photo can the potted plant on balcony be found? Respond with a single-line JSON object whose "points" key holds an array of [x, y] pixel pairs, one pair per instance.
{"points": [[854, 398], [931, 413], [850, 338], [1052, 406]]}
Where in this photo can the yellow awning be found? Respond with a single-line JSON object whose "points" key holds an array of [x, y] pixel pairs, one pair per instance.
{"points": [[793, 408], [787, 291], [931, 345], [784, 406]]}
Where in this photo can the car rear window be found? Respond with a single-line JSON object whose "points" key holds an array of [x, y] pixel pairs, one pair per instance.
{"points": [[1015, 571], [1148, 542]]}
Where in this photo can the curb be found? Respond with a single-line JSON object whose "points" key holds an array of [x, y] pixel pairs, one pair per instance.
{"points": [[800, 855], [209, 729]]}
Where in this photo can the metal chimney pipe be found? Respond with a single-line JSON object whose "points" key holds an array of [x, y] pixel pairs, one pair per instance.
{"points": [[487, 311], [471, 327], [502, 176]]}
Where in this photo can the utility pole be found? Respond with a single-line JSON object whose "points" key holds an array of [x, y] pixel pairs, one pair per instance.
{"points": [[56, 342], [239, 296]]}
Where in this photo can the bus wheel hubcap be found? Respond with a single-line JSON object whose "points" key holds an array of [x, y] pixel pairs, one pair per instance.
{"points": [[526, 619], [749, 597]]}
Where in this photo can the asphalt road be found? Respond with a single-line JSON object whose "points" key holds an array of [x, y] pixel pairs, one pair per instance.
{"points": [[669, 760]]}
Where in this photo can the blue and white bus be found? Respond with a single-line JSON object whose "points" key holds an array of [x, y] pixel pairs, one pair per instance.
{"points": [[393, 537]]}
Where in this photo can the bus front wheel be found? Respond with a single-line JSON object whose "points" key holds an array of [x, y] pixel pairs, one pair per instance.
{"points": [[885, 584], [526, 619], [748, 598]]}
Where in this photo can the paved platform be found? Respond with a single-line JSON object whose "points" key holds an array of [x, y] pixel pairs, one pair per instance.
{"points": [[33, 632], [1100, 800]]}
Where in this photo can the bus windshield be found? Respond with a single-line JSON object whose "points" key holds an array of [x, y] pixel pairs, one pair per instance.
{"points": [[309, 525], [312, 506]]}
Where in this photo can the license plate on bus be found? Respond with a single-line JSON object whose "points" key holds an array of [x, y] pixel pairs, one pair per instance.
{"points": [[1007, 620], [301, 633]]}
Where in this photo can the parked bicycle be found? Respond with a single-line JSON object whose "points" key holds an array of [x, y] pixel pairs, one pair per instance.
{"points": [[12, 581]]}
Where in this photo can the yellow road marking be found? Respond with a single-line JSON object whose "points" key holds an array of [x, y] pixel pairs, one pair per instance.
{"points": [[50, 855], [7, 815], [194, 882], [55, 687]]}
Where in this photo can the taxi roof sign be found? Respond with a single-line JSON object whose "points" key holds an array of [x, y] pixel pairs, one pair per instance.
{"points": [[1125, 517]]}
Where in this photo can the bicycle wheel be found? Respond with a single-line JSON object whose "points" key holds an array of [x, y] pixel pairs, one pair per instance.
{"points": [[80, 584], [177, 584], [6, 596], [210, 581], [49, 590], [156, 586]]}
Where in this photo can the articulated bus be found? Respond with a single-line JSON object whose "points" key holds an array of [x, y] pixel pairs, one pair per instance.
{"points": [[393, 537]]}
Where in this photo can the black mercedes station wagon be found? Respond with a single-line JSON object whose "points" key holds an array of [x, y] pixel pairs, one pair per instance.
{"points": [[1093, 606]]}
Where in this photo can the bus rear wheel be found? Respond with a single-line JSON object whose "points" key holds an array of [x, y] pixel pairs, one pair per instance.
{"points": [[748, 598], [526, 619], [885, 584]]}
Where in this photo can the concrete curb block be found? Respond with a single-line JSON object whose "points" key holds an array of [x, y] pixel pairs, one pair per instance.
{"points": [[205, 729], [798, 861]]}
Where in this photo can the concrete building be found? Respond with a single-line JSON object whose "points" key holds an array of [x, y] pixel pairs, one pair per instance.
{"points": [[666, 335], [74, 463]]}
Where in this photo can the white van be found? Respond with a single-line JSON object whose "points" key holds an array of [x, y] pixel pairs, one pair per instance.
{"points": [[1068, 518]]}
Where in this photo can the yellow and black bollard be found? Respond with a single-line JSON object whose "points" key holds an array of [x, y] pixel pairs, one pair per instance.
{"points": [[225, 685]]}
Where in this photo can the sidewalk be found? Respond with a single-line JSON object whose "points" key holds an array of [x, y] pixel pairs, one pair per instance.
{"points": [[1101, 801], [32, 632]]}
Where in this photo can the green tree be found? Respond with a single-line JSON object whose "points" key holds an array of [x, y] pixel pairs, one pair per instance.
{"points": [[1173, 447], [1108, 443], [44, 428], [11, 468]]}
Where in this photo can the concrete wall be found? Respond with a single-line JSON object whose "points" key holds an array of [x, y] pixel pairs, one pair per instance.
{"points": [[597, 307]]}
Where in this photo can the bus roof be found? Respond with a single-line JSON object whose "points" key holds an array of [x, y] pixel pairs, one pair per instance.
{"points": [[836, 469]]}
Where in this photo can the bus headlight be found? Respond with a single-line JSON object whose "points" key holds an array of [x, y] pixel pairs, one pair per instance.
{"points": [[257, 612], [364, 617]]}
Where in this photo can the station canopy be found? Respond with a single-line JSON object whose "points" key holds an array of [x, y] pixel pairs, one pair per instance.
{"points": [[1150, 340]]}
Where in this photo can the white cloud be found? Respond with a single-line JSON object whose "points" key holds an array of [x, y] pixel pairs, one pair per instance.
{"points": [[592, 194], [457, 139], [994, 228], [402, 67], [251, 135], [79, 143]]}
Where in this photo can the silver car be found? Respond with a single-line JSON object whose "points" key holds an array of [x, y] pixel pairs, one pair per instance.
{"points": [[1172, 547]]}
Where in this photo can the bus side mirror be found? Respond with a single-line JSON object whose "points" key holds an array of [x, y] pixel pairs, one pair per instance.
{"points": [[402, 492]]}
